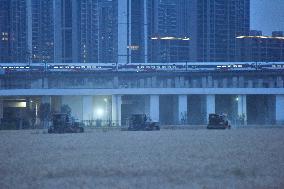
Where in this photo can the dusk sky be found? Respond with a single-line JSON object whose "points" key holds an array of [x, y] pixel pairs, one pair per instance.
{"points": [[267, 15]]}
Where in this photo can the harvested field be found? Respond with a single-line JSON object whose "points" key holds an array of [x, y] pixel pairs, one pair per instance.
{"points": [[236, 158]]}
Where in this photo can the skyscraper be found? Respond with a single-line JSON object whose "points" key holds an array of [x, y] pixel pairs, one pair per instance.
{"points": [[65, 31], [18, 12], [168, 31], [88, 30], [4, 31], [76, 31], [214, 26], [42, 35], [132, 34], [107, 31], [258, 48], [125, 31]]}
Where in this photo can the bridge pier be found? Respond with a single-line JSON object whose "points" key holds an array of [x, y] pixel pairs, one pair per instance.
{"points": [[154, 107], [242, 107], [116, 102], [279, 105], [210, 105], [182, 109]]}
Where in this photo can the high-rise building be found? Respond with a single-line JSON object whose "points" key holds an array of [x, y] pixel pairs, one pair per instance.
{"points": [[131, 30], [76, 31], [258, 48], [4, 31], [42, 35], [214, 26], [168, 31], [66, 31], [123, 31], [88, 30], [107, 32], [18, 24]]}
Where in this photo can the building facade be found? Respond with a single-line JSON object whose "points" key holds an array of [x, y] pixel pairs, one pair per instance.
{"points": [[4, 31], [127, 31], [214, 26], [18, 24], [42, 35], [167, 27], [259, 48]]}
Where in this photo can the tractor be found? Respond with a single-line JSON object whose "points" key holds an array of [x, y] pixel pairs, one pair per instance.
{"points": [[62, 123], [217, 121], [140, 122]]}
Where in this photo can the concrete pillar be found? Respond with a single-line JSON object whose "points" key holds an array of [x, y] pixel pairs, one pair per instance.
{"points": [[260, 83], [186, 83], [88, 108], [279, 105], [154, 107], [210, 105], [279, 82], [203, 82], [149, 82], [177, 82], [209, 81], [116, 102], [250, 84], [271, 82], [242, 108], [224, 83], [169, 83], [182, 84], [154, 81], [235, 82], [45, 83], [115, 82], [215, 83], [182, 109], [241, 82], [194, 83]]}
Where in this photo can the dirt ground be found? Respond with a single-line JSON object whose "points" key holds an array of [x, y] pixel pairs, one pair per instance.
{"points": [[236, 158]]}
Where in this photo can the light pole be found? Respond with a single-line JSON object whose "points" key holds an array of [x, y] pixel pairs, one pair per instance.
{"points": [[106, 110]]}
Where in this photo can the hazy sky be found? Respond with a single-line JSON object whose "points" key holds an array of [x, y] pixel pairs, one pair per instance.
{"points": [[267, 15]]}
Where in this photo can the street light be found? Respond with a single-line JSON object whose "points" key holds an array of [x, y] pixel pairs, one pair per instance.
{"points": [[106, 110], [100, 112]]}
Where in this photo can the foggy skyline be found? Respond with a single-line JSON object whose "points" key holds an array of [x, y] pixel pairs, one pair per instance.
{"points": [[267, 15]]}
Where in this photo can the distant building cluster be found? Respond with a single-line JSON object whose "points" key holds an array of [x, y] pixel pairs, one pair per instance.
{"points": [[132, 31]]}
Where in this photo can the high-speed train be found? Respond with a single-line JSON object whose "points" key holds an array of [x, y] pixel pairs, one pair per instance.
{"points": [[141, 67]]}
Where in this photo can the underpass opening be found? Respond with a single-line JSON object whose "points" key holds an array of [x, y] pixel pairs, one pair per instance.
{"points": [[261, 109], [227, 104], [168, 109], [133, 104], [196, 109]]}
